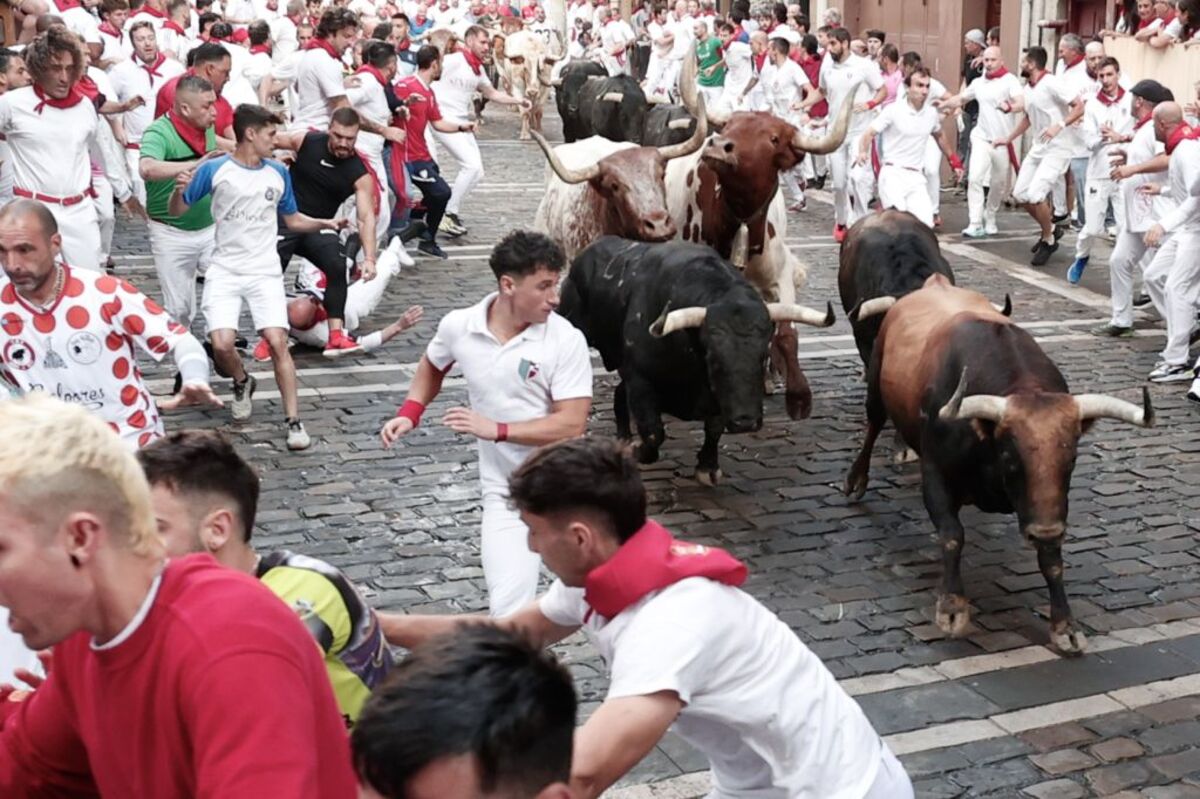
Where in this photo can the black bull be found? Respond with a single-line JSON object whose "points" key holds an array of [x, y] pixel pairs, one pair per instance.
{"points": [[687, 334], [592, 104]]}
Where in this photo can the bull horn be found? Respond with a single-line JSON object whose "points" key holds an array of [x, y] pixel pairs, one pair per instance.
{"points": [[680, 319], [679, 124], [565, 174], [694, 142], [1006, 308], [657, 99], [1102, 406], [977, 406], [872, 307], [786, 312], [613, 97], [688, 85], [836, 135]]}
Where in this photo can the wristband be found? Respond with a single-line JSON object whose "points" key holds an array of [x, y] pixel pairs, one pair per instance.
{"points": [[501, 432], [411, 410], [955, 161], [871, 105]]}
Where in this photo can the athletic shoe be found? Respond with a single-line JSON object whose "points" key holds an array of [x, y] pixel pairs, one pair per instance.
{"points": [[1193, 394], [178, 384], [262, 351], [1075, 272], [797, 206], [1170, 373], [1056, 219], [431, 249], [1059, 232], [243, 394], [451, 226], [341, 343], [1141, 299], [1043, 253], [1076, 225], [297, 437], [818, 183], [991, 229], [1113, 331], [975, 232], [839, 233], [402, 256]]}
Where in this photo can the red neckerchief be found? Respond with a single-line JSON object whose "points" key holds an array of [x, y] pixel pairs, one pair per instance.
{"points": [[472, 60], [1109, 101], [1000, 73], [652, 559], [404, 45], [1138, 125], [1181, 133], [152, 69], [420, 20], [66, 5], [1033, 82], [192, 136], [759, 60], [1145, 23], [154, 12], [373, 71], [107, 27], [1167, 20], [323, 44], [75, 96], [1074, 63], [260, 48], [172, 25]]}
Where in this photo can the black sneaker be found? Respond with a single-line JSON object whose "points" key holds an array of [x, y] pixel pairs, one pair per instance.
{"points": [[1141, 299], [818, 183], [431, 249], [1193, 397], [1058, 220], [178, 384], [1043, 253], [1059, 232]]}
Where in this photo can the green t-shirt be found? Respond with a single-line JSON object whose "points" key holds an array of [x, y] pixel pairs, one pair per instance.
{"points": [[161, 142], [708, 52]]}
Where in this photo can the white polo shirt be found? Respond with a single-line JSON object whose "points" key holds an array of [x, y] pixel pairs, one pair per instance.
{"points": [[737, 62], [1141, 210], [784, 86], [656, 31], [1096, 114], [764, 710], [836, 80], [457, 86], [49, 146], [318, 80], [906, 132], [133, 78], [991, 93], [1047, 104], [516, 381]]}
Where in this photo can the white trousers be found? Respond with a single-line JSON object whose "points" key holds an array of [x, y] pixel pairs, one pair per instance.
{"points": [[905, 190], [465, 150], [989, 166], [178, 255], [1173, 283], [1129, 253], [661, 75], [362, 297], [891, 781], [106, 215], [1095, 208], [509, 567], [933, 175], [814, 165], [852, 186], [79, 226], [132, 156]]}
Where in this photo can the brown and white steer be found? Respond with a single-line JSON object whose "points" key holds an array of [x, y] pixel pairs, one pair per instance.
{"points": [[727, 196], [994, 423], [524, 63]]}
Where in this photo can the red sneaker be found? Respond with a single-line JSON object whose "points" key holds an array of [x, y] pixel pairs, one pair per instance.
{"points": [[839, 233], [341, 343], [262, 351]]}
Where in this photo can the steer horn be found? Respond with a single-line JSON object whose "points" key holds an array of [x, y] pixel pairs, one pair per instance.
{"points": [[688, 86], [1102, 406], [836, 135], [694, 142], [1006, 308], [976, 406], [670, 321], [612, 97], [565, 173], [872, 307], [787, 312]]}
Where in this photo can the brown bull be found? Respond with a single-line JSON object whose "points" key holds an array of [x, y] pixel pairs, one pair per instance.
{"points": [[994, 423]]}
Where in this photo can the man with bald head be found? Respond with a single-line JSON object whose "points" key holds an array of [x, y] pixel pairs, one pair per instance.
{"points": [[1173, 277], [992, 157]]}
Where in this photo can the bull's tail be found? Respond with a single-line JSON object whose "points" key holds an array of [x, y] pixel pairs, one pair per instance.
{"points": [[799, 271]]}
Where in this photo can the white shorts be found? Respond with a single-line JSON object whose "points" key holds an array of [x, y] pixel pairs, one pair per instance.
{"points": [[1040, 171], [224, 292]]}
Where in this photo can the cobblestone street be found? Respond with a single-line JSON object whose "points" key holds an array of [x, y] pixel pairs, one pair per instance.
{"points": [[996, 713]]}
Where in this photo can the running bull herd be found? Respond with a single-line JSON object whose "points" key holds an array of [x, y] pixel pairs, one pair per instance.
{"points": [[681, 279]]}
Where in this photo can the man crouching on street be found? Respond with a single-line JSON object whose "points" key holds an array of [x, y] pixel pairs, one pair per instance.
{"points": [[684, 646]]}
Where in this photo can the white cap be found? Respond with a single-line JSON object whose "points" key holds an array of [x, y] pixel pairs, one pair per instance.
{"points": [[976, 35]]}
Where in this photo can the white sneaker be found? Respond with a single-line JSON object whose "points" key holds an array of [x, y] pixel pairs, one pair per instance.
{"points": [[990, 228], [974, 232], [396, 248], [297, 437], [243, 399], [1170, 373]]}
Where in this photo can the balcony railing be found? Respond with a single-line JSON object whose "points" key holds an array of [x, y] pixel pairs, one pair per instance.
{"points": [[1177, 67]]}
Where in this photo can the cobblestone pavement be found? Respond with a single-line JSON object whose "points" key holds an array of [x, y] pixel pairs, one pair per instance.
{"points": [[995, 713]]}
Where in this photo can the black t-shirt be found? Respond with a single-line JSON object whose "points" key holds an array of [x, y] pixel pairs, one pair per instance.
{"points": [[969, 74], [321, 182]]}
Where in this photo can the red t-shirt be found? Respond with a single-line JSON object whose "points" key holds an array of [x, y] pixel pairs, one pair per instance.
{"points": [[166, 101], [812, 70], [218, 693], [420, 113]]}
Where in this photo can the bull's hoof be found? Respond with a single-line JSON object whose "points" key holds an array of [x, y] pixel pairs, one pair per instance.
{"points": [[856, 485], [799, 406], [709, 477], [905, 455], [645, 454], [953, 615], [769, 384], [1068, 640]]}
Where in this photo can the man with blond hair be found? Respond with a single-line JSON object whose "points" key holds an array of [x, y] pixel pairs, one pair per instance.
{"points": [[171, 679]]}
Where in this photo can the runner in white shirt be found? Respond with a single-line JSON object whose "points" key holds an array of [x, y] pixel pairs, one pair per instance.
{"points": [[369, 98], [992, 156], [907, 126], [284, 40], [785, 85], [615, 39], [13, 75], [1107, 121], [173, 38], [114, 14], [660, 74], [141, 76], [463, 76], [843, 73], [685, 647], [1137, 163], [71, 333], [738, 69], [529, 382], [154, 11], [249, 192], [933, 151]]}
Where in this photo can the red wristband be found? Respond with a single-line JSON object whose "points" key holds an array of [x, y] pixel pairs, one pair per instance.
{"points": [[501, 432], [411, 410], [871, 105], [955, 161]]}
